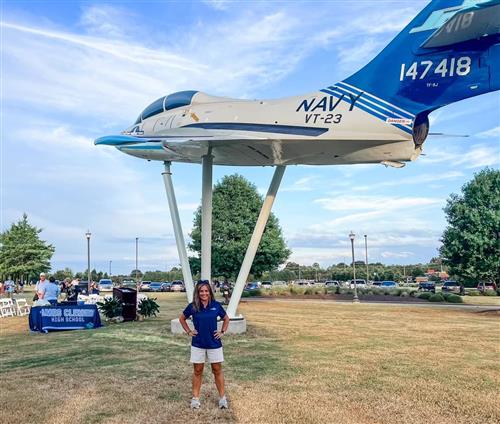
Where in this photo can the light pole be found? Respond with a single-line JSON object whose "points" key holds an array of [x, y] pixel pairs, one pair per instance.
{"points": [[355, 299], [110, 262], [366, 259], [136, 261], [88, 234]]}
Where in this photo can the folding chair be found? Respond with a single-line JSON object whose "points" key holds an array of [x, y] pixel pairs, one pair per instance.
{"points": [[6, 308], [22, 307]]}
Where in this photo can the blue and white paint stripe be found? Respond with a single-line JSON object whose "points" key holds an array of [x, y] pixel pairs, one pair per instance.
{"points": [[374, 106], [377, 100]]}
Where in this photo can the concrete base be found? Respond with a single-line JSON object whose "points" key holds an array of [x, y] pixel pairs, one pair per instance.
{"points": [[237, 325]]}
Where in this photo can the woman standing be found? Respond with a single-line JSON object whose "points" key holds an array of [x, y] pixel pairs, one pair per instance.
{"points": [[206, 339]]}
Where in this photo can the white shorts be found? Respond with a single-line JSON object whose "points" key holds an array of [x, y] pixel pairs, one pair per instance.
{"points": [[198, 355]]}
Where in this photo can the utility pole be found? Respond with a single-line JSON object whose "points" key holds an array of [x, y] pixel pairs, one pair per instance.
{"points": [[366, 259]]}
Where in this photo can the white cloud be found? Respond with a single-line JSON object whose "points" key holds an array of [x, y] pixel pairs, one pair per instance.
{"points": [[491, 133], [375, 203], [107, 21], [308, 183], [218, 4], [419, 180], [478, 156], [396, 254]]}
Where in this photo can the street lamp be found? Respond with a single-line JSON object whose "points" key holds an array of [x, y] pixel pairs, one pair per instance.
{"points": [[88, 234], [366, 259], [355, 299], [136, 260], [110, 262]]}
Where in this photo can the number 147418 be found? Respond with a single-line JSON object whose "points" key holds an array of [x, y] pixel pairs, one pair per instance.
{"points": [[447, 67]]}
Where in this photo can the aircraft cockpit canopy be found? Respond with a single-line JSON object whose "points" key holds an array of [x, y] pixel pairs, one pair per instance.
{"points": [[172, 101]]}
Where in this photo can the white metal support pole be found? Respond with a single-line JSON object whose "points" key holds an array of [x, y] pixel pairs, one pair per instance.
{"points": [[255, 240], [179, 237], [206, 216]]}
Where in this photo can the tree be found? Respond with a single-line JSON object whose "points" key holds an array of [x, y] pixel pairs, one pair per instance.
{"points": [[22, 253], [236, 206], [63, 273], [471, 240], [136, 273]]}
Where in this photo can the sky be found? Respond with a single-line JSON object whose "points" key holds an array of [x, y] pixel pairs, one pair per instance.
{"points": [[74, 71]]}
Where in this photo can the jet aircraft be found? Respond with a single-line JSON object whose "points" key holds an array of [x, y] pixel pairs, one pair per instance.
{"points": [[450, 51]]}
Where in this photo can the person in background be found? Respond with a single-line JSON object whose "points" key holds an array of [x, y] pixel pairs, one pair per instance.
{"points": [[1, 287], [93, 288], [205, 339], [42, 280], [65, 285], [9, 287], [49, 291], [21, 286]]}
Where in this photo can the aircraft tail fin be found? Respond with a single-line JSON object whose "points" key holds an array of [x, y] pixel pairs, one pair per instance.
{"points": [[450, 51]]}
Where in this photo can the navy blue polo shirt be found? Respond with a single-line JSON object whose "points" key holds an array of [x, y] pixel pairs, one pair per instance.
{"points": [[205, 323]]}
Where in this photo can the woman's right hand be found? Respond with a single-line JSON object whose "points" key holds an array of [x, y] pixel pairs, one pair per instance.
{"points": [[192, 333]]}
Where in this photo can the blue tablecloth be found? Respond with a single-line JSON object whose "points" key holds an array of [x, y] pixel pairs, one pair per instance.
{"points": [[64, 317]]}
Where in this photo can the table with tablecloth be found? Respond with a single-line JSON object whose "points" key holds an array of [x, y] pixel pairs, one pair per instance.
{"points": [[64, 317]]}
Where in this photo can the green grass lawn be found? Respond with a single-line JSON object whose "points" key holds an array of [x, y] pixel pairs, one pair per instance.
{"points": [[304, 362]]}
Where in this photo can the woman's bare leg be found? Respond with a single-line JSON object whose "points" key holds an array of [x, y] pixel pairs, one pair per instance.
{"points": [[219, 377], [197, 377]]}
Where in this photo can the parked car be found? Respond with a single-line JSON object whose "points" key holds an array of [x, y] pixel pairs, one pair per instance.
{"points": [[279, 283], [302, 283], [165, 287], [155, 286], [482, 287], [145, 286], [359, 283], [266, 285], [129, 284], [377, 283], [427, 286], [388, 285], [177, 286], [105, 284], [332, 283], [452, 287], [251, 286]]}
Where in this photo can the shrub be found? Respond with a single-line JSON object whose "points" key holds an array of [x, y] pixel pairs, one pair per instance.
{"points": [[473, 293], [489, 293], [309, 290], [368, 293], [436, 297], [245, 294], [394, 292], [148, 307], [256, 292], [110, 307], [405, 294], [425, 295], [446, 295], [376, 291], [454, 298]]}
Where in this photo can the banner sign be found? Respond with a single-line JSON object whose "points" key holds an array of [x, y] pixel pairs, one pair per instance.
{"points": [[67, 317]]}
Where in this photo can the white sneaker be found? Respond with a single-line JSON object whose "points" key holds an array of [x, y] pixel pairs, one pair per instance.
{"points": [[223, 403], [195, 403]]}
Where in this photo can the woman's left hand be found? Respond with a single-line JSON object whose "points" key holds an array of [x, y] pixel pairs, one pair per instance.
{"points": [[218, 334]]}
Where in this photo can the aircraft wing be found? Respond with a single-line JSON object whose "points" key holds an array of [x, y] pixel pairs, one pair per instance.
{"points": [[472, 23], [242, 150]]}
